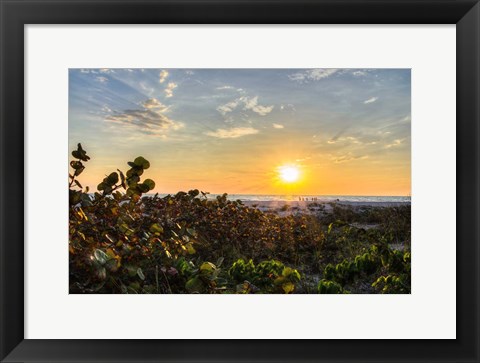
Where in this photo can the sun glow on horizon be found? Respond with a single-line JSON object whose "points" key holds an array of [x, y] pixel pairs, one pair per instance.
{"points": [[289, 174]]}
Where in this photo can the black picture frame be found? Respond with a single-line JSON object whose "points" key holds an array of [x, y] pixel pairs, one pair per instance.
{"points": [[15, 14]]}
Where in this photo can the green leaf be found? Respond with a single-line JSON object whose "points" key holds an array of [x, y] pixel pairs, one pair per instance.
{"points": [[112, 179], [140, 273], [100, 256], [156, 228], [143, 188], [79, 171], [142, 162], [330, 228], [76, 164], [80, 153], [133, 180], [194, 285], [78, 184], [149, 183], [132, 270], [219, 261], [207, 267], [122, 178], [190, 248], [288, 287], [287, 271]]}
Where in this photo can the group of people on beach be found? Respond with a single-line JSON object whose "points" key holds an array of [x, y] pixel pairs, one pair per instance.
{"points": [[303, 199]]}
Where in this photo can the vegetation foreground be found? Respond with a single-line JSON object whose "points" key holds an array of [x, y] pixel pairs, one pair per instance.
{"points": [[126, 242]]}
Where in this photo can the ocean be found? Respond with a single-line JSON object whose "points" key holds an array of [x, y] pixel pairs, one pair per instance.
{"points": [[319, 198]]}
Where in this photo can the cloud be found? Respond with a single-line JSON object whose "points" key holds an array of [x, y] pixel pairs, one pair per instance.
{"points": [[252, 104], [312, 74], [359, 73], [395, 143], [228, 107], [232, 133], [348, 157], [150, 119], [106, 109], [370, 100], [249, 103], [153, 103], [101, 79], [225, 87], [287, 107], [148, 90], [169, 90], [163, 76], [278, 126]]}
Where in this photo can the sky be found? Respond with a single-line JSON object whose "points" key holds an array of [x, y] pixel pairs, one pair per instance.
{"points": [[236, 131]]}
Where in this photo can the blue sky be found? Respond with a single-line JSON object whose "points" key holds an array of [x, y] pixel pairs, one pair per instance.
{"points": [[229, 130]]}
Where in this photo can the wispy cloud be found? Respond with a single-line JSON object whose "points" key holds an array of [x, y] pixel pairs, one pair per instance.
{"points": [[150, 119], [163, 76], [249, 103], [153, 103], [348, 157], [169, 90], [359, 73], [101, 79], [252, 104], [232, 133], [395, 143], [370, 100], [228, 107], [225, 87], [312, 74], [278, 126], [288, 107]]}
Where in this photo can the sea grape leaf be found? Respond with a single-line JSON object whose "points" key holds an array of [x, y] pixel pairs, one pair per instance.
{"points": [[288, 287], [140, 273], [100, 256], [122, 179], [142, 162], [143, 188], [149, 183], [156, 228], [190, 248], [112, 179], [194, 285], [76, 164], [79, 171], [207, 267]]}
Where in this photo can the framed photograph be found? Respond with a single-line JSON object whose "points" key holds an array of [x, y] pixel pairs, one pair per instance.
{"points": [[247, 181]]}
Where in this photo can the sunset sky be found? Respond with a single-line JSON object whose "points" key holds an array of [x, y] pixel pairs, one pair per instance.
{"points": [[247, 131]]}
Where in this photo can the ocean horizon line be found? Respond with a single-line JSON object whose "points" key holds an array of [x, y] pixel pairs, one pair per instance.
{"points": [[306, 197]]}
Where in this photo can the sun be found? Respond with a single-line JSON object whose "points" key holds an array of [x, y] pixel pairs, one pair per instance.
{"points": [[288, 173]]}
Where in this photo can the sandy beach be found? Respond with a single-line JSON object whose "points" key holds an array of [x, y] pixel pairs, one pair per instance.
{"points": [[287, 207]]}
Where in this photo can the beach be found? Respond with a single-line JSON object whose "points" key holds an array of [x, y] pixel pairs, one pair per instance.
{"points": [[289, 207]]}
